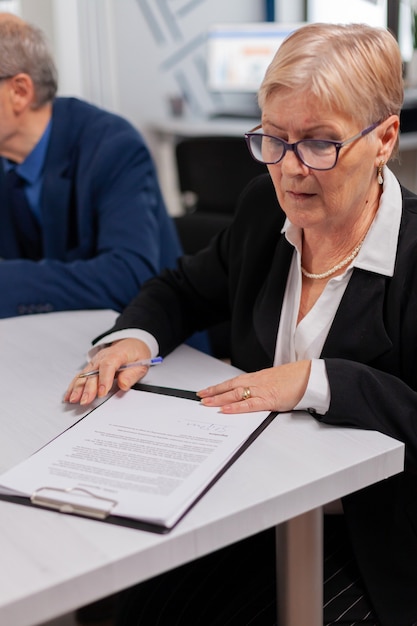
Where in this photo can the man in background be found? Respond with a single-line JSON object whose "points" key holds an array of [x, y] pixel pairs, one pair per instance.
{"points": [[82, 220]]}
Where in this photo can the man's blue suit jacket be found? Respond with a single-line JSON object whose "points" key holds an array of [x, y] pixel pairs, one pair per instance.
{"points": [[105, 227]]}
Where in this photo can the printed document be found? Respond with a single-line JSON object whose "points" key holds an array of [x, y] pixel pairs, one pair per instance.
{"points": [[140, 455]]}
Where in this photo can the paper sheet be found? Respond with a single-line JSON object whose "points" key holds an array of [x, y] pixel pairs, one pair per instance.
{"points": [[149, 456]]}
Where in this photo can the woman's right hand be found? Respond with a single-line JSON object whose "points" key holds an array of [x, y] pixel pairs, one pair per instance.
{"points": [[84, 390]]}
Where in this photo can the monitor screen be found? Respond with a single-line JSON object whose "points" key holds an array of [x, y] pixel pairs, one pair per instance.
{"points": [[238, 54], [372, 12]]}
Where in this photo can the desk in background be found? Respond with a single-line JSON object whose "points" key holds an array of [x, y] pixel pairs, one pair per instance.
{"points": [[54, 563]]}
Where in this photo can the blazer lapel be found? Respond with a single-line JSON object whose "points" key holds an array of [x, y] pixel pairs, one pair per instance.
{"points": [[268, 305], [56, 196], [359, 316], [57, 184]]}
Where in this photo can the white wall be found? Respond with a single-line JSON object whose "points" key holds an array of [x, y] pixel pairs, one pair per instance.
{"points": [[130, 56], [159, 50]]}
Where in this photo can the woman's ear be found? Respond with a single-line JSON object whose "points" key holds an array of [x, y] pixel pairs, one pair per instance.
{"points": [[22, 92], [388, 136]]}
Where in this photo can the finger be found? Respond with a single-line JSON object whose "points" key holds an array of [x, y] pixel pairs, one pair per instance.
{"points": [[76, 387], [74, 391], [244, 406], [100, 385], [224, 387], [80, 391], [235, 395], [127, 378], [90, 391], [104, 381], [85, 389]]}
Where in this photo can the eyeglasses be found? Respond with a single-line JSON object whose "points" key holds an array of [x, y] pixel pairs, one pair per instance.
{"points": [[317, 154]]}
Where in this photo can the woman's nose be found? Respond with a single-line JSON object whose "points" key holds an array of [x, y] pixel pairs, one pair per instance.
{"points": [[291, 164]]}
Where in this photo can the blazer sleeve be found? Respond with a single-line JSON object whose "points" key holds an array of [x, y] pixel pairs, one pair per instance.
{"points": [[180, 302], [113, 235], [221, 282], [371, 354], [364, 397]]}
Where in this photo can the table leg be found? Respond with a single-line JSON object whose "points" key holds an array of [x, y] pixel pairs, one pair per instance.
{"points": [[300, 570]]}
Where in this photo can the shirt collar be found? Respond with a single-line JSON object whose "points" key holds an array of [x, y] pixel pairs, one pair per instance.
{"points": [[31, 168], [379, 248]]}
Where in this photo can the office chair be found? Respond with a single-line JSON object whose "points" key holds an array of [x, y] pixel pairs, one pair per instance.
{"points": [[212, 172]]}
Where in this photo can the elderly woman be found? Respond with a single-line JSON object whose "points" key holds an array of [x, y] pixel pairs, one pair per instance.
{"points": [[318, 275]]}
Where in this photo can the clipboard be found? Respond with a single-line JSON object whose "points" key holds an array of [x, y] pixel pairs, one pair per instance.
{"points": [[84, 502]]}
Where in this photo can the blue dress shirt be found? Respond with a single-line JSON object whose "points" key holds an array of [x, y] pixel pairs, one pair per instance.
{"points": [[31, 170]]}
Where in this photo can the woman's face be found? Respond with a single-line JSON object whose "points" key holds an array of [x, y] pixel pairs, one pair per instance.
{"points": [[331, 199]]}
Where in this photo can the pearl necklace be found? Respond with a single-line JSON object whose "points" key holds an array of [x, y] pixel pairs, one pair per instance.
{"points": [[336, 267]]}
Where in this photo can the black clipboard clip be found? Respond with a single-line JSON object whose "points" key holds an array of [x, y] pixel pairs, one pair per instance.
{"points": [[68, 501]]}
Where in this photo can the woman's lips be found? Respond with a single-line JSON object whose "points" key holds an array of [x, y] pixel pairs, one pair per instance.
{"points": [[298, 195]]}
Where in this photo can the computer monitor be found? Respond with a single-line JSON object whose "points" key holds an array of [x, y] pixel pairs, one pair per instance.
{"points": [[238, 54], [392, 14], [372, 12]]}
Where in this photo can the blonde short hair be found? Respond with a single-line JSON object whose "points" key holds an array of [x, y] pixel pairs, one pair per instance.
{"points": [[355, 69]]}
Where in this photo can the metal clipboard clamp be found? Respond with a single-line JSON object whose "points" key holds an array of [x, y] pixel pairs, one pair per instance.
{"points": [[74, 500]]}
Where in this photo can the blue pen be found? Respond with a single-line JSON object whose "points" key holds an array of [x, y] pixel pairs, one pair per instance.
{"points": [[146, 362]]}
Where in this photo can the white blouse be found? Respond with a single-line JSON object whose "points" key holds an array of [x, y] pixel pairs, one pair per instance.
{"points": [[306, 340]]}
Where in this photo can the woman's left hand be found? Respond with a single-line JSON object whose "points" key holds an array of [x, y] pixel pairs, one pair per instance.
{"points": [[274, 389]]}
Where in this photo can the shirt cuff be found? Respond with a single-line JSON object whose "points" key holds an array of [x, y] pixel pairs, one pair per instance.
{"points": [[317, 395], [127, 333]]}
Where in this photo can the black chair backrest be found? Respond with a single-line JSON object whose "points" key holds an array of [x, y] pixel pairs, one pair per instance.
{"points": [[213, 171]]}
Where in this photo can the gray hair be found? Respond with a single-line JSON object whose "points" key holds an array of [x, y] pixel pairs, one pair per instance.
{"points": [[353, 68], [23, 48]]}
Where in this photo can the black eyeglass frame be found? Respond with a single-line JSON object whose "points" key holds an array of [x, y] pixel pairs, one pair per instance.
{"points": [[293, 147]]}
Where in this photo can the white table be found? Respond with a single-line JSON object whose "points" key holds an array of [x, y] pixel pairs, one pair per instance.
{"points": [[54, 563]]}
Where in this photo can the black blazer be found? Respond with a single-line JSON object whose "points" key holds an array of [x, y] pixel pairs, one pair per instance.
{"points": [[370, 355]]}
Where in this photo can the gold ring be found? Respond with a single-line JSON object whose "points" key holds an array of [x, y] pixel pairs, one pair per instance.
{"points": [[246, 393]]}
